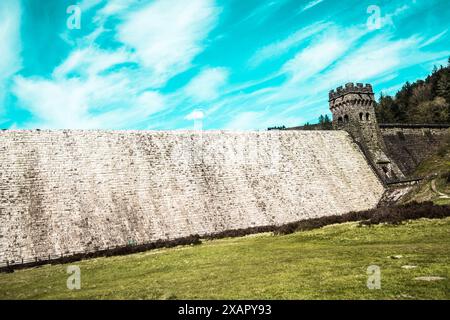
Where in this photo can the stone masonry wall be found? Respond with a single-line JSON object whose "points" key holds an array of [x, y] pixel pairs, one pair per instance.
{"points": [[353, 110], [69, 191], [407, 145]]}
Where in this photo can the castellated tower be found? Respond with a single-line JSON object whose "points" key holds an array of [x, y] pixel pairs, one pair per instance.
{"points": [[353, 110]]}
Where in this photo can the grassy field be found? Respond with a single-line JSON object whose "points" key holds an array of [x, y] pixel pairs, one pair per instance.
{"points": [[326, 263]]}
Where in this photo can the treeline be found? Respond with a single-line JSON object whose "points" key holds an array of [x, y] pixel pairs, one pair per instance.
{"points": [[324, 123], [424, 101]]}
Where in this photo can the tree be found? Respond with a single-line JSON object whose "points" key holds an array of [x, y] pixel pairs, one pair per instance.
{"points": [[325, 122], [321, 119], [443, 87], [420, 93], [435, 70], [435, 111], [386, 110], [417, 102], [402, 102]]}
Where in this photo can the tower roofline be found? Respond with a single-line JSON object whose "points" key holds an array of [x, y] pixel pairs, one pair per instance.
{"points": [[350, 88]]}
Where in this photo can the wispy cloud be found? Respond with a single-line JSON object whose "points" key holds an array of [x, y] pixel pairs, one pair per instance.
{"points": [[262, 12], [434, 38], [109, 101], [106, 88], [84, 84], [167, 34], [155, 63], [90, 61], [278, 48], [311, 4], [10, 60], [207, 84], [88, 4], [320, 54]]}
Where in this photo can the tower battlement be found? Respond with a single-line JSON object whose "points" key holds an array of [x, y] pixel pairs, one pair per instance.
{"points": [[353, 110], [350, 88]]}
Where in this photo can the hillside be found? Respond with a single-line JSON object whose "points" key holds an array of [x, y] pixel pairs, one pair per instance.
{"points": [[424, 101], [436, 184], [326, 263]]}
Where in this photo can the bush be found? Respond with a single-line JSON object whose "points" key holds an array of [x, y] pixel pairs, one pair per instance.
{"points": [[392, 215]]}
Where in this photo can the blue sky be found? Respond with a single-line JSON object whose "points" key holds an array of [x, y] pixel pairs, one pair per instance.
{"points": [[238, 65]]}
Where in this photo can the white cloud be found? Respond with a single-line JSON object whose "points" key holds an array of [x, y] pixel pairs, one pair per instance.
{"points": [[388, 20], [57, 104], [206, 85], [262, 12], [89, 4], [378, 57], [434, 38], [260, 120], [95, 102], [114, 7], [98, 88], [10, 60], [244, 121], [137, 110], [88, 91], [167, 34], [315, 58], [278, 48], [90, 61], [322, 53], [311, 4]]}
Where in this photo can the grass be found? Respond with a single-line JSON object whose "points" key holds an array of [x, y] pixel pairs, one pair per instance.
{"points": [[424, 191], [325, 263]]}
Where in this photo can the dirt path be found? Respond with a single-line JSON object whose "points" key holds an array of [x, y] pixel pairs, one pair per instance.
{"points": [[435, 190]]}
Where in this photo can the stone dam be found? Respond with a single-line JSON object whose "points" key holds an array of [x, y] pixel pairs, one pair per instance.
{"points": [[63, 192]]}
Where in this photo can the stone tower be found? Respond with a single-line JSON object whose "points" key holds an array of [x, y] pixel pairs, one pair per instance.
{"points": [[353, 110]]}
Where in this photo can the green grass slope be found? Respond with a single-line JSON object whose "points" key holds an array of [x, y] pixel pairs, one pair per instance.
{"points": [[326, 263]]}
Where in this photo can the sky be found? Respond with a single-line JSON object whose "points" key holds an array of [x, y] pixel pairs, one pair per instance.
{"points": [[223, 64]]}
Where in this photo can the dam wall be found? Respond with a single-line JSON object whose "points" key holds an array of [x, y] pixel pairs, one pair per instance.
{"points": [[67, 191], [409, 144]]}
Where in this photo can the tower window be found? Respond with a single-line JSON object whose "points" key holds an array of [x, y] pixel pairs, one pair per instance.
{"points": [[361, 115], [345, 118], [367, 116], [340, 120]]}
